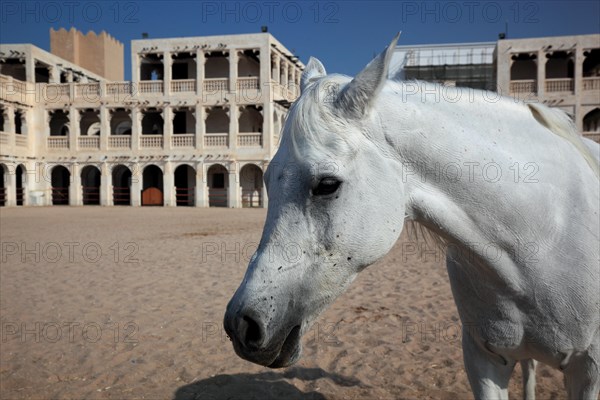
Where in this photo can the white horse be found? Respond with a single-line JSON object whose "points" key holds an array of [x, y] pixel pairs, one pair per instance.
{"points": [[510, 188]]}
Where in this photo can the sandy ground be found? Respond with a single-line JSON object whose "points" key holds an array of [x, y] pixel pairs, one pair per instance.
{"points": [[119, 303]]}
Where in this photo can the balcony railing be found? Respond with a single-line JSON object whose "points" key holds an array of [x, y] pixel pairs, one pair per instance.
{"points": [[249, 139], [248, 83], [591, 83], [183, 85], [4, 137], [151, 87], [88, 142], [559, 85], [21, 140], [523, 86], [119, 142], [216, 84], [151, 141], [216, 140], [116, 88], [183, 140], [87, 90], [58, 142], [55, 91]]}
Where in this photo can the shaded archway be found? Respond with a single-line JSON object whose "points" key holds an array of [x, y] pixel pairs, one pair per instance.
{"points": [[89, 124], [152, 122], [20, 189], [185, 185], [120, 122], [121, 180], [90, 185], [59, 123], [152, 193], [591, 121], [217, 186], [251, 181], [3, 177], [60, 181]]}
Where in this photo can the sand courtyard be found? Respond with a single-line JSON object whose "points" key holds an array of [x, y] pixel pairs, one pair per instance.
{"points": [[123, 303]]}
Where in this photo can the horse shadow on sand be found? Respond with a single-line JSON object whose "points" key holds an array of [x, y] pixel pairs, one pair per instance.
{"points": [[261, 386]]}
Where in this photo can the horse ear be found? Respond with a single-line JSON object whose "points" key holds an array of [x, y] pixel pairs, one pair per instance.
{"points": [[357, 97], [314, 69]]}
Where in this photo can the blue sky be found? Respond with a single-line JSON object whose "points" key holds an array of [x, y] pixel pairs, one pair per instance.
{"points": [[343, 34]]}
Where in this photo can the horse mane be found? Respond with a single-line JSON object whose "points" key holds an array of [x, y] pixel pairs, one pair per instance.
{"points": [[559, 123]]}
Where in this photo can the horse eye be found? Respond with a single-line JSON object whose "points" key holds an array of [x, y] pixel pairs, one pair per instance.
{"points": [[326, 186]]}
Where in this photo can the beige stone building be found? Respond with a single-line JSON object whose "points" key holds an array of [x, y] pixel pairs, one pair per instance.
{"points": [[561, 71], [196, 126]]}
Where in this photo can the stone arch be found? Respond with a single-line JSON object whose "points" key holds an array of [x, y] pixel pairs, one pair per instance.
{"points": [[90, 185], [21, 175], [153, 186], [251, 182], [152, 122], [120, 122], [121, 181], [217, 120], [591, 121], [591, 63], [250, 120], [216, 65], [524, 67], [59, 123], [60, 182], [185, 185], [249, 63], [218, 181], [89, 123], [559, 64]]}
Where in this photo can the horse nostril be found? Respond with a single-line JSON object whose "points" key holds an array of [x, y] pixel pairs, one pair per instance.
{"points": [[253, 336]]}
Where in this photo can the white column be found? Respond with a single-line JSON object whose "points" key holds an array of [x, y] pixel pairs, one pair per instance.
{"points": [[167, 63], [233, 126], [169, 185], [275, 68], [233, 188], [168, 116], [136, 185], [136, 127], [29, 69], [200, 60], [267, 128], [105, 185], [200, 116], [578, 60], [9, 119], [201, 195], [135, 68], [104, 127], [541, 74], [75, 190], [74, 130], [233, 70], [283, 73], [11, 185]]}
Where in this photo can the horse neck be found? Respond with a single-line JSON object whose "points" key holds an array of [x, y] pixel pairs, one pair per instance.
{"points": [[449, 164]]}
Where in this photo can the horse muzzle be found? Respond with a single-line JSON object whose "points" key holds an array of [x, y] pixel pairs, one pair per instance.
{"points": [[252, 342]]}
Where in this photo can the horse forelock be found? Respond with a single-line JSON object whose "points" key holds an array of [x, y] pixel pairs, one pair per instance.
{"points": [[314, 126]]}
